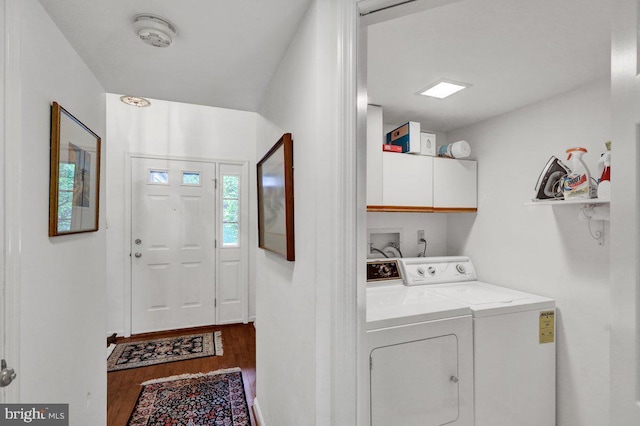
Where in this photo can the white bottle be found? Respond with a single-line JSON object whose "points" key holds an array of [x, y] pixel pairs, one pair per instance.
{"points": [[577, 184]]}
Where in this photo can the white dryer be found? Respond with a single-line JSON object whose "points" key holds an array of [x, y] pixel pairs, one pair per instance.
{"points": [[420, 354], [514, 342]]}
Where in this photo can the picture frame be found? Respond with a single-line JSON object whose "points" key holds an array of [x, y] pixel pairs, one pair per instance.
{"points": [[275, 199], [74, 183]]}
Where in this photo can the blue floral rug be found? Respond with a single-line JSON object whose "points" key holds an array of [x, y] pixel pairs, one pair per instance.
{"points": [[215, 398], [158, 351]]}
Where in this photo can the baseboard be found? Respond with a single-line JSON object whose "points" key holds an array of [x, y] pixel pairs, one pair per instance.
{"points": [[257, 413]]}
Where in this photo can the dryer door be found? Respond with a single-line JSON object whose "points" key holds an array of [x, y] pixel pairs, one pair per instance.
{"points": [[415, 383]]}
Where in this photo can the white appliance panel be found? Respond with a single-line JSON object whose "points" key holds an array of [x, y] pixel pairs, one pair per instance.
{"points": [[416, 382], [397, 304], [394, 372], [514, 373], [477, 295], [488, 299], [421, 271]]}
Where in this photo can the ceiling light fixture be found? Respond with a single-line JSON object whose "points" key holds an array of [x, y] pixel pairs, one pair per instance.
{"points": [[154, 30], [135, 101], [443, 88]]}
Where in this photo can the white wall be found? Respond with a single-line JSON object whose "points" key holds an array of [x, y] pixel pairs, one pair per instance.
{"points": [[434, 226], [546, 250], [295, 308], [62, 291], [625, 268], [175, 130]]}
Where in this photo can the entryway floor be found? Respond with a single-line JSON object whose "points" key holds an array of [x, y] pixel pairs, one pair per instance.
{"points": [[239, 341]]}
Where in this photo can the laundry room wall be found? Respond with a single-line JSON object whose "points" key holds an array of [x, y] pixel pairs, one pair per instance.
{"points": [[62, 319], [168, 129], [542, 249]]}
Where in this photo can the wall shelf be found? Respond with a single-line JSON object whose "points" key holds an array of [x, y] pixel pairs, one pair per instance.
{"points": [[591, 209], [592, 201]]}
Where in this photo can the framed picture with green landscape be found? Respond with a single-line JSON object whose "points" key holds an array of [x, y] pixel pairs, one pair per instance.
{"points": [[74, 186]]}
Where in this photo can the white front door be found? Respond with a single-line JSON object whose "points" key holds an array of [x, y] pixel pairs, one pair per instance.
{"points": [[173, 244]]}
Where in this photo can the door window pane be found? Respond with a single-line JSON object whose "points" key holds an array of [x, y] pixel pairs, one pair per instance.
{"points": [[159, 177], [230, 187], [230, 210], [191, 178], [230, 234]]}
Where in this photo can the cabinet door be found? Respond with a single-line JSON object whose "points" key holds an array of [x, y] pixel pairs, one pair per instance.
{"points": [[455, 183], [415, 383], [407, 180]]}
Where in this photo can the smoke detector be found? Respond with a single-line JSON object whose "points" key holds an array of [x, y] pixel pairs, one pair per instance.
{"points": [[135, 101], [154, 30]]}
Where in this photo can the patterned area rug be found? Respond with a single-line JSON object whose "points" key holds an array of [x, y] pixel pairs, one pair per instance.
{"points": [[215, 398], [151, 352]]}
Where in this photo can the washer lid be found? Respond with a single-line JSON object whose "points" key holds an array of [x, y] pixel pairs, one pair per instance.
{"points": [[397, 305], [487, 299]]}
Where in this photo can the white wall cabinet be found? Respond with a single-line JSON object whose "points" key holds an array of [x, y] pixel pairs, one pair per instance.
{"points": [[455, 183], [415, 183], [407, 180]]}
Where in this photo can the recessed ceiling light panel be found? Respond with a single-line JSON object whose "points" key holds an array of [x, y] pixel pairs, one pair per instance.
{"points": [[443, 88], [154, 30], [135, 101]]}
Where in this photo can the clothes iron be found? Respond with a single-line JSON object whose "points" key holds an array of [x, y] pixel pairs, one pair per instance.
{"points": [[549, 184]]}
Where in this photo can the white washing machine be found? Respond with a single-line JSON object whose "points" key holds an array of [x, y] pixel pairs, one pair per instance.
{"points": [[420, 353], [514, 342]]}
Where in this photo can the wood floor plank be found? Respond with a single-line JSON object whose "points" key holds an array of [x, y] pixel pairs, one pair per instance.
{"points": [[239, 342]]}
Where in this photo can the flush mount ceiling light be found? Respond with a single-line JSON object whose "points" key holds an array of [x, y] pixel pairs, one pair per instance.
{"points": [[154, 30], [443, 88], [135, 101]]}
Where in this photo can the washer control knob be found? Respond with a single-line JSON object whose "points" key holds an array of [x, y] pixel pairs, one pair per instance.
{"points": [[460, 268], [420, 271], [432, 270]]}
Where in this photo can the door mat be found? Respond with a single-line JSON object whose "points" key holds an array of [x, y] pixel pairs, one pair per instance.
{"points": [[151, 352], [214, 398]]}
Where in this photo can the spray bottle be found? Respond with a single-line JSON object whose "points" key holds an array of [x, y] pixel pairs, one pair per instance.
{"points": [[604, 167], [577, 184]]}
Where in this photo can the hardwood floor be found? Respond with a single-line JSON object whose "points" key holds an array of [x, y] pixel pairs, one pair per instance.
{"points": [[239, 342]]}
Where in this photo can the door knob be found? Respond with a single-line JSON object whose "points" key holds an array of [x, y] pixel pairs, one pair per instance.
{"points": [[138, 255], [7, 375]]}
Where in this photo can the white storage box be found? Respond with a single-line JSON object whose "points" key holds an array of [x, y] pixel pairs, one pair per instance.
{"points": [[427, 144]]}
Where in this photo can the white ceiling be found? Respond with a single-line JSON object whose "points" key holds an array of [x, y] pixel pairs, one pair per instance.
{"points": [[224, 55], [513, 52]]}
